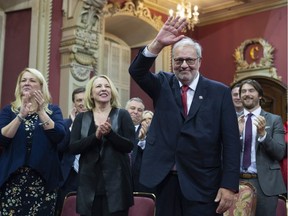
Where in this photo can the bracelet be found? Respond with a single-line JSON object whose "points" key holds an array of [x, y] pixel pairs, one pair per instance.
{"points": [[44, 123], [20, 118]]}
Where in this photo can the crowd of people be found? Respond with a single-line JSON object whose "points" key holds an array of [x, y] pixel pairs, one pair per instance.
{"points": [[191, 151]]}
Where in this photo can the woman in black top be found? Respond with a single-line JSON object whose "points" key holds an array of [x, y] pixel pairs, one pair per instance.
{"points": [[103, 136]]}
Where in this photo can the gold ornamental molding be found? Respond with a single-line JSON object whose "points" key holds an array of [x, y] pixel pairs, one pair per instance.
{"points": [[254, 57], [44, 37], [136, 9]]}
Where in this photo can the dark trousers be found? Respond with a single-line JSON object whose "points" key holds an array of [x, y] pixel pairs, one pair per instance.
{"points": [[100, 208], [171, 202], [70, 185], [136, 166]]}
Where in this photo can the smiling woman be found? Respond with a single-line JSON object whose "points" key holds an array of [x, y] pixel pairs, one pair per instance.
{"points": [[32, 43], [31, 128], [103, 136]]}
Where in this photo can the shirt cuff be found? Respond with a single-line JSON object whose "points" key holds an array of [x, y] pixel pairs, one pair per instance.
{"points": [[147, 53], [142, 144], [261, 139]]}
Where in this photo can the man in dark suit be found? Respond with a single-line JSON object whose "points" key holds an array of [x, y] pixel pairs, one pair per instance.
{"points": [[70, 162], [267, 148], [192, 159], [135, 107], [236, 99]]}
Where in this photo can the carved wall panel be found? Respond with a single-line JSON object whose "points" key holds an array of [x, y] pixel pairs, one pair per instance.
{"points": [[254, 60], [80, 50], [254, 57]]}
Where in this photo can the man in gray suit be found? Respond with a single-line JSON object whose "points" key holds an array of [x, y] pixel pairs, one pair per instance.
{"points": [[267, 149]]}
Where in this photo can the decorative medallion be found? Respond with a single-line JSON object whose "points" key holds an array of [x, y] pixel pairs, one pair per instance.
{"points": [[254, 57]]}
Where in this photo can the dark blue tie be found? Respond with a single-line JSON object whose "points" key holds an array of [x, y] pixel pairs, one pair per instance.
{"points": [[247, 143]]}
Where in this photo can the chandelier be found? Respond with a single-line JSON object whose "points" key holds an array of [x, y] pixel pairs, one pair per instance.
{"points": [[185, 10]]}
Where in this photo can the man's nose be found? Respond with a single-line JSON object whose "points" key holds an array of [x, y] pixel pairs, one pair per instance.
{"points": [[136, 111], [246, 93], [184, 64]]}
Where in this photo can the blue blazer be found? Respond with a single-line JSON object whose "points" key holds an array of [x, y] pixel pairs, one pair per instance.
{"points": [[205, 145], [44, 157]]}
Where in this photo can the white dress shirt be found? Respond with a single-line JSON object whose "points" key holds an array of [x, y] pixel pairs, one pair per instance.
{"points": [[252, 168]]}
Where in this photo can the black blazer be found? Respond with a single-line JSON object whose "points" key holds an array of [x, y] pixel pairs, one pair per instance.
{"points": [[205, 145], [107, 158], [66, 157]]}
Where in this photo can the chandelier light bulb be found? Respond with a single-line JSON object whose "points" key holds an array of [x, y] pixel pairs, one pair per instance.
{"points": [[186, 9]]}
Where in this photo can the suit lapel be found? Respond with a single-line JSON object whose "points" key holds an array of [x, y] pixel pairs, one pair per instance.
{"points": [[199, 97], [262, 113], [177, 94], [135, 146]]}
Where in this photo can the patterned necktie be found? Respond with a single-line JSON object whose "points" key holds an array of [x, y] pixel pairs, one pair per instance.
{"points": [[184, 90], [247, 143]]}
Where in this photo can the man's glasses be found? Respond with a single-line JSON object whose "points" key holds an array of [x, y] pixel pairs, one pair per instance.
{"points": [[189, 61]]}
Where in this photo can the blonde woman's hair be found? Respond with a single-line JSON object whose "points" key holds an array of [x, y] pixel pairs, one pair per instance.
{"points": [[89, 101], [16, 104]]}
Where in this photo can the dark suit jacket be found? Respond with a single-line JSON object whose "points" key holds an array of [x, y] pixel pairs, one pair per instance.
{"points": [[107, 158], [268, 154], [205, 146], [44, 156], [137, 155], [135, 146], [67, 158]]}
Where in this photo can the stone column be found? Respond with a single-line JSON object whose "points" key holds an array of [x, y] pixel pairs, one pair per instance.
{"points": [[81, 46]]}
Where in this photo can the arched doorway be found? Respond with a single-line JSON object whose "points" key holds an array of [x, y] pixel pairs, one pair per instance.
{"points": [[141, 30]]}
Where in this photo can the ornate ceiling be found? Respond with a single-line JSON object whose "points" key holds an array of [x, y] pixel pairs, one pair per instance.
{"points": [[212, 11]]}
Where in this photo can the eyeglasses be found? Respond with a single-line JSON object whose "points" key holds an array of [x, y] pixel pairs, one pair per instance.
{"points": [[189, 61]]}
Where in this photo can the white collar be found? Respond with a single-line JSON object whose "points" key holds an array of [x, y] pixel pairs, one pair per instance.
{"points": [[193, 84], [255, 112]]}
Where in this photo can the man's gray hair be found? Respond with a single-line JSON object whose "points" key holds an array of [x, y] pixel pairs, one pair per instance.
{"points": [[188, 41], [134, 99]]}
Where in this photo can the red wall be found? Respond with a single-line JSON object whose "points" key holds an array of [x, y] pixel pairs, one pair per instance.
{"points": [[16, 51], [55, 61], [136, 91], [220, 40]]}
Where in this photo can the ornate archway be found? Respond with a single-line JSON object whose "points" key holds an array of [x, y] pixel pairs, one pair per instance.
{"points": [[82, 45], [142, 28]]}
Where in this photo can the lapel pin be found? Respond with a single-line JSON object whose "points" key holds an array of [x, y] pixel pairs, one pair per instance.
{"points": [[200, 97]]}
